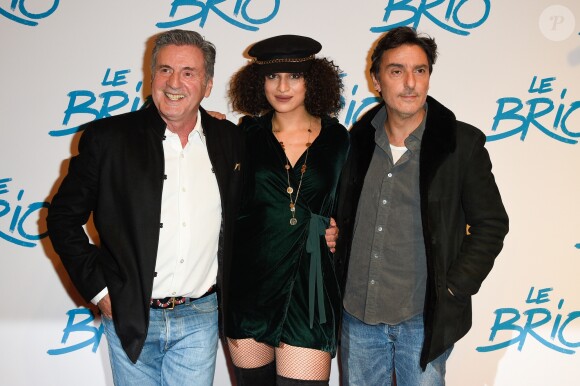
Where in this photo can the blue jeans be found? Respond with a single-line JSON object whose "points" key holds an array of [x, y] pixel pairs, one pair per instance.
{"points": [[370, 354], [180, 348]]}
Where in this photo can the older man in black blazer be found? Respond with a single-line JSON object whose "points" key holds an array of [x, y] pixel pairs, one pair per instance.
{"points": [[163, 186]]}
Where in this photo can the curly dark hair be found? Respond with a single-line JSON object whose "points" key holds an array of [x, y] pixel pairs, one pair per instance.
{"points": [[323, 89]]}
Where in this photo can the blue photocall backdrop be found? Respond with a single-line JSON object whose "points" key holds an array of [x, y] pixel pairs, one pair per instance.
{"points": [[511, 68]]}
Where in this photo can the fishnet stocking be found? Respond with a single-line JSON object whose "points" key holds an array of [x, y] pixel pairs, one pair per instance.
{"points": [[291, 361], [302, 363], [249, 354]]}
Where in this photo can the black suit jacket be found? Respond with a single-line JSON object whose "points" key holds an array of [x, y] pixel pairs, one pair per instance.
{"points": [[457, 189], [118, 177]]}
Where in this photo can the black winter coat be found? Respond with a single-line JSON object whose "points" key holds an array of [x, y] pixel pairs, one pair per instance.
{"points": [[457, 189]]}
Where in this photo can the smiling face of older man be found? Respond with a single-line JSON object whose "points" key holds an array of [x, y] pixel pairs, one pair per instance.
{"points": [[179, 85]]}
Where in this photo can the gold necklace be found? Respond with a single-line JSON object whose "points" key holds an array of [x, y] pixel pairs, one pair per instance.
{"points": [[289, 189]]}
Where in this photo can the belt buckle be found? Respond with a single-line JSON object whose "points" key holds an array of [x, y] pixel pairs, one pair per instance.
{"points": [[172, 302]]}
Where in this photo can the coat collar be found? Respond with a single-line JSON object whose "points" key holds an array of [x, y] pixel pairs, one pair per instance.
{"points": [[437, 143], [439, 128], [154, 120]]}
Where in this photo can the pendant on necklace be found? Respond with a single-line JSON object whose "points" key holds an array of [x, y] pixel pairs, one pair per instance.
{"points": [[293, 221]]}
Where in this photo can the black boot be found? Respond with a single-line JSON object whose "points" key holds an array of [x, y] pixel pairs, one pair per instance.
{"points": [[283, 381], [258, 376]]}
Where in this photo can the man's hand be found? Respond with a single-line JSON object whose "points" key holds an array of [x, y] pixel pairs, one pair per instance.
{"points": [[331, 235], [216, 114], [105, 306]]}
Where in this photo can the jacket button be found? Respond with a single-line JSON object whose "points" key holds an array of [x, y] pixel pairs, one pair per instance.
{"points": [[160, 225]]}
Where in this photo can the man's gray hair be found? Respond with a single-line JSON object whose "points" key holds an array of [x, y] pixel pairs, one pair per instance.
{"points": [[179, 37]]}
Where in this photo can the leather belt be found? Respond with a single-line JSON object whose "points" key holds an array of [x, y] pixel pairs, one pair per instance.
{"points": [[170, 302]]}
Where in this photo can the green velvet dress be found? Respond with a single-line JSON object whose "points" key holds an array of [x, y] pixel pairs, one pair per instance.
{"points": [[283, 287]]}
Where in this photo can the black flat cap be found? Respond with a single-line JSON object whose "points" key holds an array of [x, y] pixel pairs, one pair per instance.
{"points": [[285, 53]]}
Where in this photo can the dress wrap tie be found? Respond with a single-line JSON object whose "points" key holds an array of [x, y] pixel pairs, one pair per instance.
{"points": [[318, 225]]}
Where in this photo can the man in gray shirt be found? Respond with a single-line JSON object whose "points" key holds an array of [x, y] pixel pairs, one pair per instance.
{"points": [[415, 181]]}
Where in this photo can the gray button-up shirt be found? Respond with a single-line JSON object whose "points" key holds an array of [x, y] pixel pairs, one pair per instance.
{"points": [[387, 274]]}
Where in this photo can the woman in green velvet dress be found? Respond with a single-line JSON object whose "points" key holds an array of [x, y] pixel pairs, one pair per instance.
{"points": [[284, 303]]}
